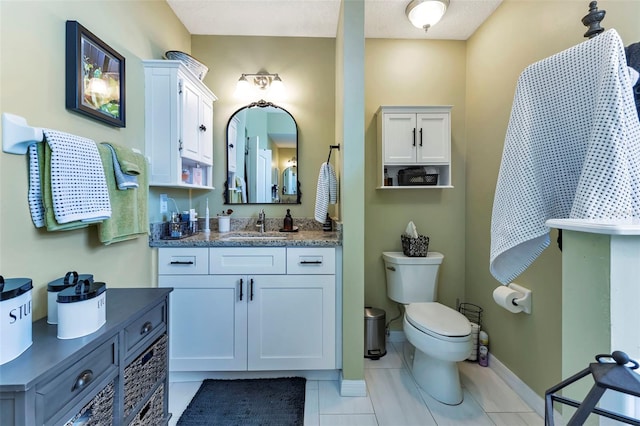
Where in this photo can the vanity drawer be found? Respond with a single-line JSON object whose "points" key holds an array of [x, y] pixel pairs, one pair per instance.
{"points": [[247, 260], [145, 328], [78, 380], [183, 261], [311, 261]]}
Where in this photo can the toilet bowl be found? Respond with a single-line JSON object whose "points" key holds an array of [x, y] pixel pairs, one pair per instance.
{"points": [[440, 336]]}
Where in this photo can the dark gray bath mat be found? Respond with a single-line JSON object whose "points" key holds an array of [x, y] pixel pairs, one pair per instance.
{"points": [[247, 402]]}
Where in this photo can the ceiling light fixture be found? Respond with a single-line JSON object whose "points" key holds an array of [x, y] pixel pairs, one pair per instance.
{"points": [[426, 13], [262, 81]]}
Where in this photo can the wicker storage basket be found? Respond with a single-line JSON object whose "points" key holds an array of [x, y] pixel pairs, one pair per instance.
{"points": [[415, 247], [195, 66], [143, 373], [99, 411], [153, 411], [416, 176]]}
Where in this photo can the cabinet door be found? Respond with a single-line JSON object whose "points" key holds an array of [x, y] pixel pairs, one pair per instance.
{"points": [[206, 131], [433, 138], [399, 135], [190, 121], [291, 322], [208, 323]]}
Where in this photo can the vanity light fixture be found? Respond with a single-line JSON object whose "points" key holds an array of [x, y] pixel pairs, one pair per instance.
{"points": [[262, 81], [426, 13]]}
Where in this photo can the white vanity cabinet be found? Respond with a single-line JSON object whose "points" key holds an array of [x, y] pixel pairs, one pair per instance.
{"points": [[257, 308], [414, 136], [178, 126]]}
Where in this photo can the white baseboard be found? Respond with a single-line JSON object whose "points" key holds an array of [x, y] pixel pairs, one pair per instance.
{"points": [[532, 399], [198, 376], [352, 387]]}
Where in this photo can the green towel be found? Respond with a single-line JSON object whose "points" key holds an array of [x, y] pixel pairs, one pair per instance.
{"points": [[129, 209], [44, 163]]}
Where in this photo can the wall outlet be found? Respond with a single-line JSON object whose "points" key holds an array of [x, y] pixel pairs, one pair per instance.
{"points": [[163, 203]]}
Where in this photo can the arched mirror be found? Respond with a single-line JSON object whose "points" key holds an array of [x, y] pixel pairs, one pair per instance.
{"points": [[262, 156]]}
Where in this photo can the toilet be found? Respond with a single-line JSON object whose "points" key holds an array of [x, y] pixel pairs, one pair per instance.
{"points": [[439, 336]]}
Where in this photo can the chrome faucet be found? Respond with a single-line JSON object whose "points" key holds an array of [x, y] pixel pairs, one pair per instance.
{"points": [[261, 220]]}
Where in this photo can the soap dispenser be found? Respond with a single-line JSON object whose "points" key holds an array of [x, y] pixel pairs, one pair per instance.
{"points": [[288, 222]]}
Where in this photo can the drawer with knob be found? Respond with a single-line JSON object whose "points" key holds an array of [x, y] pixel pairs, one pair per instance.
{"points": [[78, 380], [311, 260], [141, 332]]}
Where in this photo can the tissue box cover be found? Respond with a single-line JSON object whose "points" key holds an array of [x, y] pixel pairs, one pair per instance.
{"points": [[415, 247]]}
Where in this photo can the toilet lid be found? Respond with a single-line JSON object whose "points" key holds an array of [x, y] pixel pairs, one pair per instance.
{"points": [[432, 317]]}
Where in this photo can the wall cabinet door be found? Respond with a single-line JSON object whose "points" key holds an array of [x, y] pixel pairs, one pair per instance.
{"points": [[197, 118], [291, 322], [433, 138], [209, 316], [399, 133]]}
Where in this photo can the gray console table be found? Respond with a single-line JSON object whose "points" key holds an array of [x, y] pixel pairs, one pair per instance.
{"points": [[116, 375]]}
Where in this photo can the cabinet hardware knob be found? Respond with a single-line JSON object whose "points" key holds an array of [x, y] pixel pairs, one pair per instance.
{"points": [[420, 136], [240, 288], [203, 127], [179, 262], [82, 380], [251, 287], [146, 328], [414, 136]]}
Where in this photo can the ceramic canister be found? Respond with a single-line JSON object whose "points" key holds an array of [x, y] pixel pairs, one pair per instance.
{"points": [[54, 287], [15, 317], [81, 309]]}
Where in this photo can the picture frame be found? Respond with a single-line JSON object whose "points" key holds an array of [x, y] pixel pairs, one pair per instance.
{"points": [[95, 77]]}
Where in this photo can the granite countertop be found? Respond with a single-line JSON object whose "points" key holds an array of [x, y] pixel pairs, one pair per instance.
{"points": [[244, 233]]}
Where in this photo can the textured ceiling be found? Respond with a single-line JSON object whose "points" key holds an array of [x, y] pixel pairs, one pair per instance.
{"points": [[319, 18]]}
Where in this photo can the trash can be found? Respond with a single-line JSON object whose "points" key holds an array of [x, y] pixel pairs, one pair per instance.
{"points": [[374, 333]]}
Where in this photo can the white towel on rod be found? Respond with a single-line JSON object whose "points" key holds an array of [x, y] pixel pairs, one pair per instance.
{"points": [[572, 150], [326, 191], [78, 185]]}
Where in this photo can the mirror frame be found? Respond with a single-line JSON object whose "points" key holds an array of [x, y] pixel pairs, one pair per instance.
{"points": [[260, 104]]}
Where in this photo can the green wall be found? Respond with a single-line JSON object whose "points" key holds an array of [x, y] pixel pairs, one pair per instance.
{"points": [[516, 35], [32, 85]]}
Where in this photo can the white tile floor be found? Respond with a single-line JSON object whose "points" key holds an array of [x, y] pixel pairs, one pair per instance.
{"points": [[395, 400]]}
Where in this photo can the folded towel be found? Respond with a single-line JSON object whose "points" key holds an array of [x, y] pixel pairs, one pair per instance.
{"points": [[78, 185], [34, 196], [572, 150], [123, 157], [129, 218], [326, 191], [43, 157]]}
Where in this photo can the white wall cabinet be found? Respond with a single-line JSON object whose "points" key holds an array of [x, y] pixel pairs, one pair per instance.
{"points": [[414, 137], [178, 126], [268, 308]]}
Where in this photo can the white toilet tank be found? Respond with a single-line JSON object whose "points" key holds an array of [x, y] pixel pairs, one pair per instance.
{"points": [[412, 279]]}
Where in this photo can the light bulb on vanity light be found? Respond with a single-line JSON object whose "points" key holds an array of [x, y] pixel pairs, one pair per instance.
{"points": [[243, 88]]}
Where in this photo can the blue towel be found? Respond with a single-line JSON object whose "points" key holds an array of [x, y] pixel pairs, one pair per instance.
{"points": [[124, 181]]}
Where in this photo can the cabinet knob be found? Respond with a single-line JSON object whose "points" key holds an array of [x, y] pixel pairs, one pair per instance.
{"points": [[414, 136], [203, 127], [420, 136], [241, 289], [251, 289], [82, 380], [146, 328]]}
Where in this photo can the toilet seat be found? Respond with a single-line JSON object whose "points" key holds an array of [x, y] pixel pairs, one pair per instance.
{"points": [[439, 321]]}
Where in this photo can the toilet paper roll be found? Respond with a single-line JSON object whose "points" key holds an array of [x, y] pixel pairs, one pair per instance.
{"points": [[504, 296]]}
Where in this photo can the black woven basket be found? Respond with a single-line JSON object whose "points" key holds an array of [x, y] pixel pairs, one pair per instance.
{"points": [[415, 247]]}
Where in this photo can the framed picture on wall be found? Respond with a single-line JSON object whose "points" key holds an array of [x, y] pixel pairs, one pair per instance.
{"points": [[94, 77]]}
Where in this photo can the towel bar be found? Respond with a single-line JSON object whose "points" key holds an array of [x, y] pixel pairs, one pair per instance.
{"points": [[17, 135]]}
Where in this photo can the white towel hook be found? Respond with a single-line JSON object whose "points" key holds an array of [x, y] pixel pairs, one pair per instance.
{"points": [[17, 135]]}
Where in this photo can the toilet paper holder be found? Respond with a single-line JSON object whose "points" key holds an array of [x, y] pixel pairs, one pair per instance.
{"points": [[522, 298]]}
